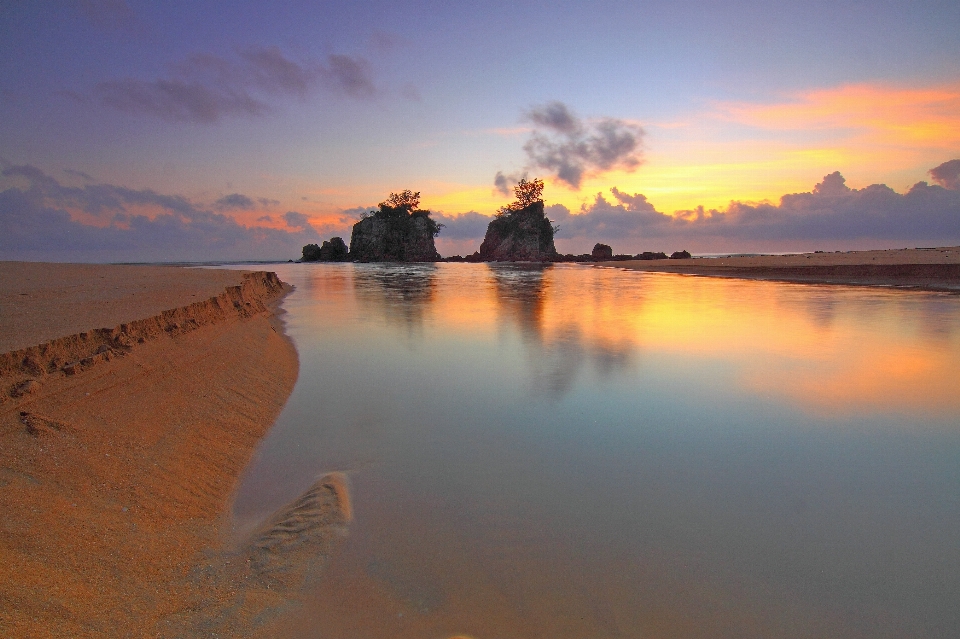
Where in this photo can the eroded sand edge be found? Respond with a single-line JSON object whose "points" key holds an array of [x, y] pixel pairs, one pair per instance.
{"points": [[119, 449]]}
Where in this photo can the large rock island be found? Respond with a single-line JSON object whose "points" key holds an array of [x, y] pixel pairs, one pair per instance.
{"points": [[521, 232], [398, 231]]}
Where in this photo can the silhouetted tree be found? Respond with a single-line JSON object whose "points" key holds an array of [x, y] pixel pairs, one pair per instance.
{"points": [[526, 192], [407, 200]]}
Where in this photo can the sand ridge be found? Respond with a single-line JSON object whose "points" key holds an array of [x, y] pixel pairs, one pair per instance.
{"points": [[115, 478], [21, 369], [41, 301]]}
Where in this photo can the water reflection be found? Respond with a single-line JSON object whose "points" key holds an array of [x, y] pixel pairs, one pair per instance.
{"points": [[583, 452], [557, 342], [830, 350], [400, 293]]}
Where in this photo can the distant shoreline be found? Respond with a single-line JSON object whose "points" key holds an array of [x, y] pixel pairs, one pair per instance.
{"points": [[931, 269]]}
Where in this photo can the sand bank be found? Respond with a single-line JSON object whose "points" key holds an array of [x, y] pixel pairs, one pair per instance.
{"points": [[120, 446], [929, 269]]}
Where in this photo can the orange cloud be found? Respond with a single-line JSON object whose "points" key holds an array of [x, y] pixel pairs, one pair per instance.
{"points": [[925, 116]]}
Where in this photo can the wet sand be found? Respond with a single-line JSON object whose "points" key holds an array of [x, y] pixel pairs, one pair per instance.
{"points": [[120, 448], [935, 269]]}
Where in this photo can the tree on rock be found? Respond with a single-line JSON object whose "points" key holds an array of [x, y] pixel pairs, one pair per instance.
{"points": [[398, 231], [406, 200], [527, 193], [520, 231]]}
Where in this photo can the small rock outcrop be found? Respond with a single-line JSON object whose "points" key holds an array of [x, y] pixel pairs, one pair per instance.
{"points": [[601, 252], [332, 250], [520, 232], [652, 255], [680, 255], [397, 232]]}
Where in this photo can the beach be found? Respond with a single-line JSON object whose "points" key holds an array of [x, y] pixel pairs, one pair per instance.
{"points": [[920, 268], [122, 438], [132, 399]]}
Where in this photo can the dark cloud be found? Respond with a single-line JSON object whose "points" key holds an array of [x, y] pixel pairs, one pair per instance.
{"points": [[233, 201], [79, 174], [206, 88], [272, 72], [35, 224], [296, 220], [501, 183], [504, 184], [947, 174], [266, 218], [571, 149], [267, 202], [349, 75], [556, 117], [178, 101]]}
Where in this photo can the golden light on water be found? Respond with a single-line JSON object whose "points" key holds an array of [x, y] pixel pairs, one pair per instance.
{"points": [[816, 351]]}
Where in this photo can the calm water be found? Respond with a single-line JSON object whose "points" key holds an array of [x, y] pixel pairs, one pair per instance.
{"points": [[581, 452]]}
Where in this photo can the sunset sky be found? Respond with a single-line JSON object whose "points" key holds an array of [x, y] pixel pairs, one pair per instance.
{"points": [[148, 131]]}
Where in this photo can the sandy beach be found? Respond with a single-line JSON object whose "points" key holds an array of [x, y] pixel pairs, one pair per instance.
{"points": [[131, 398], [929, 269]]}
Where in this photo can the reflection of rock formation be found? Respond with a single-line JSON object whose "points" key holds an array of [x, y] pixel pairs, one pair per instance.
{"points": [[401, 293], [521, 292], [557, 355]]}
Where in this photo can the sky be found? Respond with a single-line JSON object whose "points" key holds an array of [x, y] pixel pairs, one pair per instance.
{"points": [[152, 131]]}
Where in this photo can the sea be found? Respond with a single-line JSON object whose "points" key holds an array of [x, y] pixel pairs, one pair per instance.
{"points": [[569, 451]]}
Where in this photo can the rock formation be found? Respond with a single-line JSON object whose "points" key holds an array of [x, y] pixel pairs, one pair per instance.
{"points": [[397, 232], [517, 235], [333, 250], [652, 255], [601, 252]]}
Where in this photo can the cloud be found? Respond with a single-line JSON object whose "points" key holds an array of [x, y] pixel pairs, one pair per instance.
{"points": [[349, 75], [947, 174], [463, 226], [556, 117], [233, 201], [830, 212], [571, 149], [924, 117], [503, 184], [206, 88], [178, 101], [296, 220], [272, 72], [41, 219], [79, 174]]}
